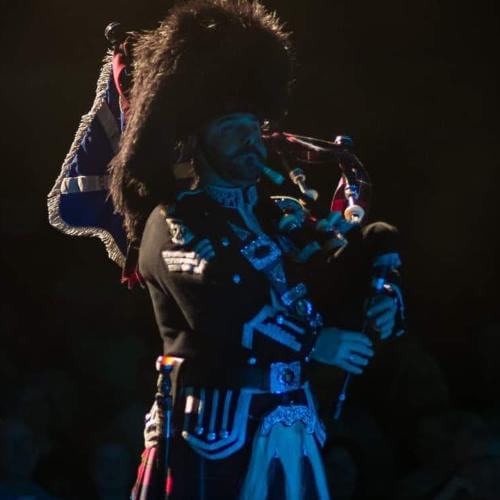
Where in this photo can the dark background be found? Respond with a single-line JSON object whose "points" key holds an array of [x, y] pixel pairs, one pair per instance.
{"points": [[415, 85]]}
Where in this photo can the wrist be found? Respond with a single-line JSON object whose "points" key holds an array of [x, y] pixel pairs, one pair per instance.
{"points": [[320, 349]]}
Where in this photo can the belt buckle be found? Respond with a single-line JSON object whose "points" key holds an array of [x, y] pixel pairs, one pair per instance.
{"points": [[284, 377]]}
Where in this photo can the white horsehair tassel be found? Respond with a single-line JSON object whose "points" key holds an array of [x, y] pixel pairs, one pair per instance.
{"points": [[289, 444]]}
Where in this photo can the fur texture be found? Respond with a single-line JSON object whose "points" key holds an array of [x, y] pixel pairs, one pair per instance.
{"points": [[207, 58]]}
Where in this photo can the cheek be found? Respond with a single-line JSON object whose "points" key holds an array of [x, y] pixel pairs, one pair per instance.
{"points": [[262, 149], [233, 142], [224, 145], [229, 146]]}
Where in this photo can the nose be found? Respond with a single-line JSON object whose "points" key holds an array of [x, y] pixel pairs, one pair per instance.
{"points": [[252, 136], [253, 139]]}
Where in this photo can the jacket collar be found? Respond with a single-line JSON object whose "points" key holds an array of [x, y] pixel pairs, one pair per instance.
{"points": [[233, 197]]}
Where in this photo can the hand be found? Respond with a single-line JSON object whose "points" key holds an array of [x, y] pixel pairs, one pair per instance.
{"points": [[345, 349], [335, 221], [153, 426], [381, 314]]}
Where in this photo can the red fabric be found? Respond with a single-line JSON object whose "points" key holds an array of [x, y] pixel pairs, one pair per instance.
{"points": [[144, 488], [118, 66], [339, 202], [338, 206], [131, 278], [122, 60], [169, 485]]}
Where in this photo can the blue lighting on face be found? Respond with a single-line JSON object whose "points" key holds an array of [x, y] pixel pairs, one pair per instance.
{"points": [[234, 148]]}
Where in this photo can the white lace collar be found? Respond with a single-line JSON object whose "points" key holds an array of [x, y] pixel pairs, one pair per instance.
{"points": [[233, 197]]}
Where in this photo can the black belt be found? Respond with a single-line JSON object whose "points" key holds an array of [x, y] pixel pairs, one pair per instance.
{"points": [[278, 377]]}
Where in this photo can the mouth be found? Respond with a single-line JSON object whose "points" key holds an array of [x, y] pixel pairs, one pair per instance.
{"points": [[253, 165], [250, 160], [247, 166]]}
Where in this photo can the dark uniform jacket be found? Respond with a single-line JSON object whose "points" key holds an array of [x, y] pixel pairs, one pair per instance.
{"points": [[231, 301], [206, 272]]}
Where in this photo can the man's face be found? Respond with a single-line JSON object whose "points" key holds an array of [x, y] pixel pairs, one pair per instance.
{"points": [[232, 145]]}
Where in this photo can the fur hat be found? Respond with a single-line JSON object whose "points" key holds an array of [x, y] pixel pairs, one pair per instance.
{"points": [[207, 58]]}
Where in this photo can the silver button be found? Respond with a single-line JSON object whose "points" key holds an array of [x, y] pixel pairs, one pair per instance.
{"points": [[252, 361], [236, 278], [224, 241]]}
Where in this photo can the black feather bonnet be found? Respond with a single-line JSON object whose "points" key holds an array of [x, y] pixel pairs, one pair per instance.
{"points": [[207, 58]]}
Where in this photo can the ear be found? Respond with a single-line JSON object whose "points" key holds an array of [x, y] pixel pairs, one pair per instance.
{"points": [[196, 147], [186, 150], [200, 158]]}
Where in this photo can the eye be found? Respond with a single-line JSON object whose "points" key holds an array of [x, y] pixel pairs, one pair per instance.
{"points": [[227, 126]]}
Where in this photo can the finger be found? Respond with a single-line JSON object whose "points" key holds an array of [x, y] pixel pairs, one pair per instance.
{"points": [[350, 368], [387, 326], [357, 360], [386, 331], [356, 337], [362, 349], [151, 428], [330, 222], [343, 227], [384, 318], [381, 305], [334, 217]]}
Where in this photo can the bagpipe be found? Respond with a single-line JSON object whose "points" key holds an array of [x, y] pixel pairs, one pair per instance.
{"points": [[79, 202]]}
